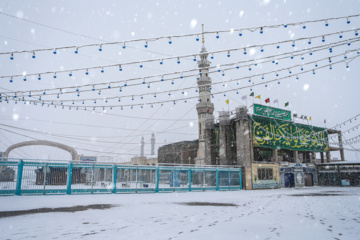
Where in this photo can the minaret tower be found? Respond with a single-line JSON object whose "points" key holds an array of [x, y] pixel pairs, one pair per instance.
{"points": [[142, 147], [204, 108]]}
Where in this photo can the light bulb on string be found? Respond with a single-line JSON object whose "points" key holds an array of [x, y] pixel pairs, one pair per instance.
{"points": [[54, 74], [178, 60], [330, 60], [86, 72], [120, 68], [240, 33], [172, 81], [340, 35], [277, 45], [304, 26], [73, 102], [261, 48], [109, 86], [181, 75], [316, 65], [76, 50], [132, 97], [143, 81], [170, 42], [149, 85], [345, 56], [102, 70], [292, 56], [223, 73], [11, 79], [244, 51], [142, 97], [212, 56], [347, 65], [70, 73], [119, 100], [228, 54], [217, 35], [348, 43], [297, 77], [197, 38], [58, 96], [125, 84], [323, 38], [131, 107], [161, 62], [356, 33], [194, 58], [141, 65], [313, 71], [93, 87], [249, 79], [330, 67], [95, 101], [99, 92], [237, 66], [326, 23], [293, 44], [309, 41], [162, 78], [146, 44], [12, 55], [273, 60], [261, 30], [83, 102], [54, 51], [289, 71], [124, 46], [347, 20], [33, 56], [39, 77], [276, 74], [262, 76], [265, 84], [120, 89], [302, 67], [155, 95]]}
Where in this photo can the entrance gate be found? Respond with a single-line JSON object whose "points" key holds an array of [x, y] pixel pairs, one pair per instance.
{"points": [[289, 180]]}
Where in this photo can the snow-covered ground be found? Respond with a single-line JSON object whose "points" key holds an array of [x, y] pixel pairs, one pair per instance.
{"points": [[306, 213]]}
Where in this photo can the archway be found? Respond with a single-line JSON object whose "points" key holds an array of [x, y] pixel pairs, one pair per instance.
{"points": [[69, 149]]}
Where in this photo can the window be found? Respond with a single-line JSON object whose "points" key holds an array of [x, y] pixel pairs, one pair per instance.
{"points": [[265, 173]]}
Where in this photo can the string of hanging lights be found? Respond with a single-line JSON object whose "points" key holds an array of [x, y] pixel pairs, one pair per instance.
{"points": [[183, 90], [102, 68], [144, 80], [170, 38], [265, 83]]}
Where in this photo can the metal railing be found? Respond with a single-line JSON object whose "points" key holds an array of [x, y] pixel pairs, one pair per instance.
{"points": [[29, 177]]}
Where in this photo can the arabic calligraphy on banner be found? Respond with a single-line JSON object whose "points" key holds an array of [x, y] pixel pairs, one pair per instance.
{"points": [[273, 133], [272, 112]]}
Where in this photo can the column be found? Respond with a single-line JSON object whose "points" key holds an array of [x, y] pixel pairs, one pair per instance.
{"points": [[322, 157], [328, 156], [296, 156], [313, 157], [275, 155], [341, 147]]}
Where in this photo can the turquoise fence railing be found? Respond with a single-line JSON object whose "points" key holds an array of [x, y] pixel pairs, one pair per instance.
{"points": [[28, 177]]}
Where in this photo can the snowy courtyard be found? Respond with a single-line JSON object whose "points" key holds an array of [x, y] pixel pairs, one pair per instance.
{"points": [[306, 213]]}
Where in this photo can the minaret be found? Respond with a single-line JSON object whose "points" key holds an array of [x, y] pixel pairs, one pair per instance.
{"points": [[153, 144], [142, 147], [204, 108]]}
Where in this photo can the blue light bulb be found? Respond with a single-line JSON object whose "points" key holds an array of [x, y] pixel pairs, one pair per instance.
{"points": [[12, 55], [197, 38], [285, 25], [348, 21], [76, 51], [261, 31], [54, 52], [304, 27], [217, 35], [141, 65]]}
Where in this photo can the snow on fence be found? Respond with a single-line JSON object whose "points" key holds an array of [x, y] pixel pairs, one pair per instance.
{"points": [[26, 177]]}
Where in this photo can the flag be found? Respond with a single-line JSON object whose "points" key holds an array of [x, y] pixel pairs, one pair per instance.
{"points": [[258, 96], [227, 101], [286, 104], [252, 94], [267, 100], [244, 97], [310, 118], [276, 101]]}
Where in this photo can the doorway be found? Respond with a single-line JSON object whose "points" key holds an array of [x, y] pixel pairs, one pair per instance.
{"points": [[309, 180], [289, 180]]}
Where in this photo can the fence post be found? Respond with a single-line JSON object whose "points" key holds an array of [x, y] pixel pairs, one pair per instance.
{"points": [[45, 175], [93, 178], [189, 179], [19, 178], [217, 179], [114, 178], [157, 179], [240, 177], [69, 178]]}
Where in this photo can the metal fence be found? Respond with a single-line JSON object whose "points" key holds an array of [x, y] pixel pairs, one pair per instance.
{"points": [[28, 177]]}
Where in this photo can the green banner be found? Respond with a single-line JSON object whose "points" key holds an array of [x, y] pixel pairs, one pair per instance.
{"points": [[278, 134], [272, 112]]}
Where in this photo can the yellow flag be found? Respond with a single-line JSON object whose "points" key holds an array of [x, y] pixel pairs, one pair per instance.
{"points": [[310, 118], [258, 96], [227, 101]]}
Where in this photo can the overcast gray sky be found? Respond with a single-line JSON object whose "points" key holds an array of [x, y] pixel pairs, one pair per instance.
{"points": [[329, 94]]}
